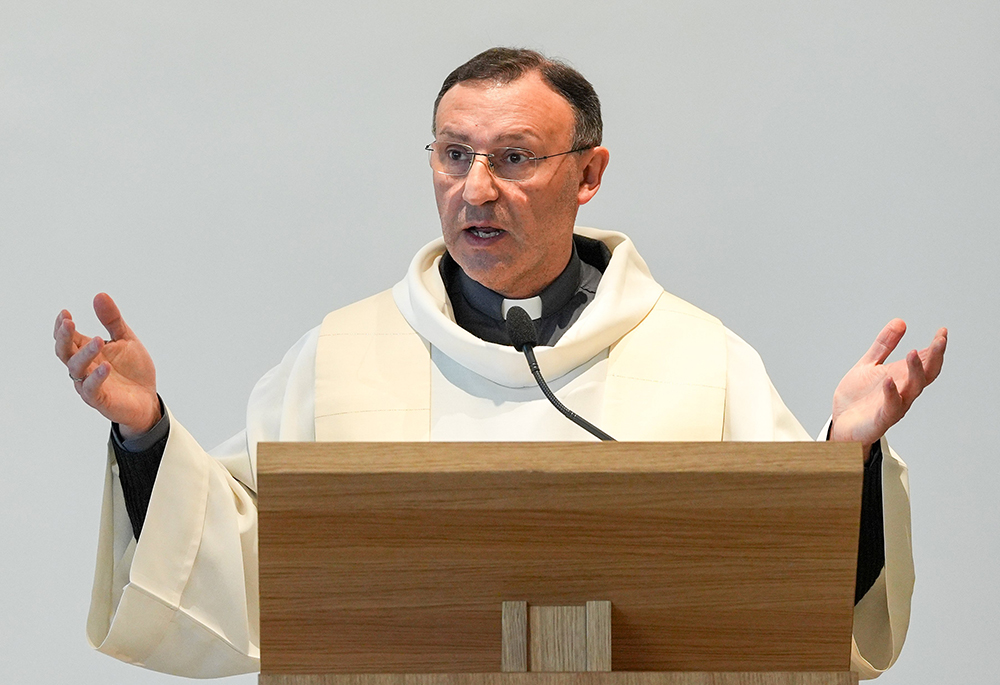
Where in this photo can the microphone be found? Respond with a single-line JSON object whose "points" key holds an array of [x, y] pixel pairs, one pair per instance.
{"points": [[523, 336]]}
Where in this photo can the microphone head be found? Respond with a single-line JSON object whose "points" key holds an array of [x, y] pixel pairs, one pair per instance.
{"points": [[520, 329]]}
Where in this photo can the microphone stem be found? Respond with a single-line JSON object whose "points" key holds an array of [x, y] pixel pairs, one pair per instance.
{"points": [[529, 353]]}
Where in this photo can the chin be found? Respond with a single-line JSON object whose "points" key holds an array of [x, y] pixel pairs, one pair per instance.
{"points": [[485, 275]]}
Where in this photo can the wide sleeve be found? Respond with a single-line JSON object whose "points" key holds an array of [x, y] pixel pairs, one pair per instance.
{"points": [[754, 411], [882, 617], [183, 600]]}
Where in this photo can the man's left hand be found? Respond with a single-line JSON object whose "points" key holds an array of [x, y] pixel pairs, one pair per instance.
{"points": [[873, 395]]}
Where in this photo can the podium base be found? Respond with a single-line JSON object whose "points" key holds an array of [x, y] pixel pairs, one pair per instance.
{"points": [[580, 678]]}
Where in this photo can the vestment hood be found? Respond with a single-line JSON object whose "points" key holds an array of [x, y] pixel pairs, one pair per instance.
{"points": [[626, 294]]}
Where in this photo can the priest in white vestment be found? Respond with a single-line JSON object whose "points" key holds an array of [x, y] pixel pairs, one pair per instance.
{"points": [[512, 164]]}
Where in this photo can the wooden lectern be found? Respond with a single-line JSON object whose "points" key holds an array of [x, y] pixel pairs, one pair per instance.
{"points": [[527, 563]]}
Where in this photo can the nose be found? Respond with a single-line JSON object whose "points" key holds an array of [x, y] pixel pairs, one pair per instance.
{"points": [[480, 184]]}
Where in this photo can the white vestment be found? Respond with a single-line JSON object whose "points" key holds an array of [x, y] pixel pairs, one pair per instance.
{"points": [[396, 367]]}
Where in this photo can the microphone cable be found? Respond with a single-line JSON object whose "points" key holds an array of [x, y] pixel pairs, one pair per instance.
{"points": [[524, 337]]}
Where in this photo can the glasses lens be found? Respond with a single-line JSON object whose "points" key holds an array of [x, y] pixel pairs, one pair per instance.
{"points": [[514, 163], [453, 159], [456, 159]]}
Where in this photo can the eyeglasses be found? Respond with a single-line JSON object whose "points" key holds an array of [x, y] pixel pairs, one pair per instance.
{"points": [[506, 163]]}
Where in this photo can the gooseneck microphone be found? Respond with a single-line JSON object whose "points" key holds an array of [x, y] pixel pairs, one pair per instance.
{"points": [[524, 337]]}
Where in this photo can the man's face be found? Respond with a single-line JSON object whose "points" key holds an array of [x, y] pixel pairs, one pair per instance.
{"points": [[513, 237]]}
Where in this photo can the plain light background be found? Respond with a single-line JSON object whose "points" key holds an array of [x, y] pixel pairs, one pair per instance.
{"points": [[231, 171]]}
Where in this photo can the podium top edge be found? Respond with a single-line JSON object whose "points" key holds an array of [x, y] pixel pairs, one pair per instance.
{"points": [[288, 458]]}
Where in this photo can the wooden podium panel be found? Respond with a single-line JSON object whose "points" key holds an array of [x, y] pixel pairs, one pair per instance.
{"points": [[613, 678], [396, 557]]}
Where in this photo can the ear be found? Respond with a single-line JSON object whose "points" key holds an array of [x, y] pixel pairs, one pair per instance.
{"points": [[591, 173]]}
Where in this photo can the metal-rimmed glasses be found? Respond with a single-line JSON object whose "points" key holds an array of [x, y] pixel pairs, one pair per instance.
{"points": [[506, 163]]}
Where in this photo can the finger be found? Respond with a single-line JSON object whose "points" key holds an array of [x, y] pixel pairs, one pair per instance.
{"points": [[916, 381], [893, 409], [64, 339], [932, 356], [63, 316], [111, 318], [68, 340], [885, 342], [79, 364], [90, 389], [940, 339]]}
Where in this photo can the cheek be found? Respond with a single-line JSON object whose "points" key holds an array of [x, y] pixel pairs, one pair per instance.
{"points": [[438, 189], [569, 193], [442, 196], [556, 206]]}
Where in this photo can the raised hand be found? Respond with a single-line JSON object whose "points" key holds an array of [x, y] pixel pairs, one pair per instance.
{"points": [[115, 377], [873, 395]]}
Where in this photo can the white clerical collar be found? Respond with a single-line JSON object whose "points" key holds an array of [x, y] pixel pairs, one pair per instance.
{"points": [[532, 305], [626, 293]]}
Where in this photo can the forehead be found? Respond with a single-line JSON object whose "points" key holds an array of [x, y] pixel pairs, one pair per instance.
{"points": [[526, 111]]}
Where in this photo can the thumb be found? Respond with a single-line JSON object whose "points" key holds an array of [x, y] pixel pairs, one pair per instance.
{"points": [[111, 318], [885, 342]]}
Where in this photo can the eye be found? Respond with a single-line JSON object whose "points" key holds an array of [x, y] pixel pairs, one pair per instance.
{"points": [[456, 153], [516, 157]]}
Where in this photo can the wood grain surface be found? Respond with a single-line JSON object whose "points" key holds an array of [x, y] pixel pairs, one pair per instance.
{"points": [[514, 637], [557, 638], [616, 678], [598, 636], [395, 558]]}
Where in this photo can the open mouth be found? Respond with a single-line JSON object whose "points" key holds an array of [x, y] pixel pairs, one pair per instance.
{"points": [[484, 232]]}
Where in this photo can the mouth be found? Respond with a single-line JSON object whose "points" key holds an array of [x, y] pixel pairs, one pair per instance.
{"points": [[484, 232]]}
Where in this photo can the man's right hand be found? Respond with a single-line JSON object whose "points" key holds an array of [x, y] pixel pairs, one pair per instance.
{"points": [[117, 377]]}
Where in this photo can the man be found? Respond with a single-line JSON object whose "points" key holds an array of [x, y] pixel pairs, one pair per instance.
{"points": [[516, 152]]}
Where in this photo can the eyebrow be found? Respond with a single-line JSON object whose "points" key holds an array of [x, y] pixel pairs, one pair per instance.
{"points": [[450, 135], [516, 138]]}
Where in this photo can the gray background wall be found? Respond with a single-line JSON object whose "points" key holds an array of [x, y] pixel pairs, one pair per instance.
{"points": [[232, 171]]}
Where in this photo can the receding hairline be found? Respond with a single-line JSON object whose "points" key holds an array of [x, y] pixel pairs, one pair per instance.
{"points": [[501, 66], [497, 82], [492, 83]]}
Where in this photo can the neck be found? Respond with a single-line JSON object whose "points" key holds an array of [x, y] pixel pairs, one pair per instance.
{"points": [[553, 296]]}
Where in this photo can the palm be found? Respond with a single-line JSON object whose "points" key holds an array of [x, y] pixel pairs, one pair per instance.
{"points": [[119, 379], [125, 394], [874, 395]]}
